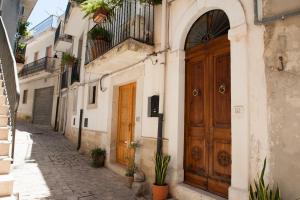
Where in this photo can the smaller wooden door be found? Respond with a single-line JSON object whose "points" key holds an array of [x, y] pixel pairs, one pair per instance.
{"points": [[126, 119], [49, 51]]}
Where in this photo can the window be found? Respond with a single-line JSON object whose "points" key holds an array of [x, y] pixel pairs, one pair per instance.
{"points": [[49, 51], [36, 56], [25, 93], [92, 94]]}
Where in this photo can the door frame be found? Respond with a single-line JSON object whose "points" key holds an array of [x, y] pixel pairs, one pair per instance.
{"points": [[133, 109]]}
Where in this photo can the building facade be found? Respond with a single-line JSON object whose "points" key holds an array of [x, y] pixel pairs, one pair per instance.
{"points": [[225, 75], [40, 76]]}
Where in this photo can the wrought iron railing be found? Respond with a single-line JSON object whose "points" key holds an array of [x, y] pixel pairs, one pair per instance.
{"points": [[47, 64], [132, 20], [60, 35], [50, 22], [75, 76], [10, 78], [64, 80]]}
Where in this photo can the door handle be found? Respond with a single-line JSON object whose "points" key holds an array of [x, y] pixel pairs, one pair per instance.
{"points": [[129, 126]]}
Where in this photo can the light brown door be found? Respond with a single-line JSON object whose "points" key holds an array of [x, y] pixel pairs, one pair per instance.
{"points": [[49, 51], [208, 117], [126, 119]]}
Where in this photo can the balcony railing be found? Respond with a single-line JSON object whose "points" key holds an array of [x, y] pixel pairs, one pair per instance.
{"points": [[64, 80], [75, 76], [49, 23], [60, 35], [132, 20], [47, 64]]}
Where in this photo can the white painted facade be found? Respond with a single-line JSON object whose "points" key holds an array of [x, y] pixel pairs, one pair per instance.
{"points": [[40, 79]]}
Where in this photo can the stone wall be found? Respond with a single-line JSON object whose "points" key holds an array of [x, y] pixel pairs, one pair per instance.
{"points": [[282, 41]]}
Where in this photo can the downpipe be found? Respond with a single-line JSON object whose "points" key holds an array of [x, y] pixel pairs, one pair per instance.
{"points": [[164, 34]]}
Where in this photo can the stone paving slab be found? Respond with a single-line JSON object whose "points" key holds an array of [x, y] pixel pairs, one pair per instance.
{"points": [[48, 167]]}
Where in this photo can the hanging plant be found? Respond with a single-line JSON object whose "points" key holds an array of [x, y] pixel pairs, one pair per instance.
{"points": [[67, 59], [100, 10], [100, 33]]}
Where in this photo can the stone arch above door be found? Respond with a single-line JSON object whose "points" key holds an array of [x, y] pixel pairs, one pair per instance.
{"points": [[232, 8]]}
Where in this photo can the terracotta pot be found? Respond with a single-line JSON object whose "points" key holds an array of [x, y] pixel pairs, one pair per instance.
{"points": [[100, 15], [160, 192], [130, 180]]}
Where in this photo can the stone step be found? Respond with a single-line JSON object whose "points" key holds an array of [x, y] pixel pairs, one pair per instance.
{"points": [[4, 147], [4, 133], [4, 109], [3, 120], [6, 185], [5, 165], [3, 99]]}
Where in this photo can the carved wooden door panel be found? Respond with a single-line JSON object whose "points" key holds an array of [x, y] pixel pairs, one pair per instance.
{"points": [[208, 117], [126, 119]]}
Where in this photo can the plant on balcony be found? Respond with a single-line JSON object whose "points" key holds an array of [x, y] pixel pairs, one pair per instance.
{"points": [[100, 33], [67, 59], [160, 189], [261, 191], [100, 10], [98, 156], [20, 48]]}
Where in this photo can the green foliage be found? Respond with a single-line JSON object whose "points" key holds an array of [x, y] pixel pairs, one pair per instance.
{"points": [[99, 33], [130, 169], [161, 167], [23, 28], [260, 191], [97, 152], [89, 7], [67, 59]]}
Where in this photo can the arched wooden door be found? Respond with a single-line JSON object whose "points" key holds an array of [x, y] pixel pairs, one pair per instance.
{"points": [[208, 116]]}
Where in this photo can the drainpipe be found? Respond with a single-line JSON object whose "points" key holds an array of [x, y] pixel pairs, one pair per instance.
{"points": [[163, 58], [259, 19]]}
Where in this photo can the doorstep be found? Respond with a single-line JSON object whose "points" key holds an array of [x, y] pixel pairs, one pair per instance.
{"points": [[117, 168], [183, 191]]}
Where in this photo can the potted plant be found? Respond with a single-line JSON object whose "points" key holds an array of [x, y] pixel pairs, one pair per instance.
{"points": [[98, 157], [100, 38], [261, 191], [131, 166], [160, 189], [130, 170], [67, 59], [100, 10]]}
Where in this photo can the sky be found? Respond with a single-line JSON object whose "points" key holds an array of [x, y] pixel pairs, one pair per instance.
{"points": [[44, 8]]}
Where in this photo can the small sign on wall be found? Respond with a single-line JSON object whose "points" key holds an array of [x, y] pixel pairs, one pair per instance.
{"points": [[238, 111]]}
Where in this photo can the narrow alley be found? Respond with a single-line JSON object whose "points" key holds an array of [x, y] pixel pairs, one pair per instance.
{"points": [[47, 166]]}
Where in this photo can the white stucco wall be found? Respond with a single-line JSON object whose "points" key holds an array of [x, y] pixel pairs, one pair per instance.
{"points": [[40, 44], [31, 86]]}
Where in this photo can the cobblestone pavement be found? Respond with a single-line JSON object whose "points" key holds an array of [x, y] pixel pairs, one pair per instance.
{"points": [[47, 166]]}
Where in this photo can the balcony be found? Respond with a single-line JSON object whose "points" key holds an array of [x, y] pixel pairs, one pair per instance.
{"points": [[130, 35], [74, 18], [64, 80], [42, 65], [48, 24], [62, 41]]}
